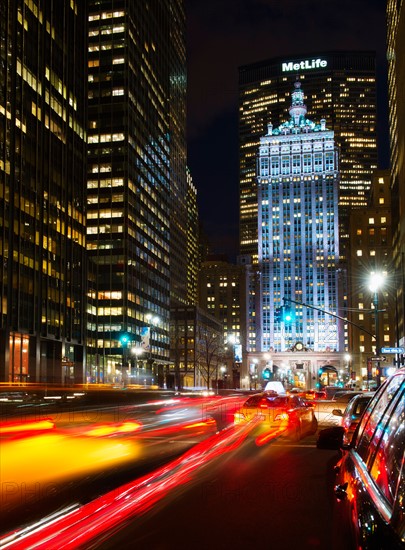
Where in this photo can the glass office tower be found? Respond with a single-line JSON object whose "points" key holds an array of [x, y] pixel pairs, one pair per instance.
{"points": [[396, 85], [341, 89], [298, 242], [42, 190], [136, 184]]}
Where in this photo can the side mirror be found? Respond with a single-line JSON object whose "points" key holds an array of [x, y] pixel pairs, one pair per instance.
{"points": [[337, 412], [330, 438]]}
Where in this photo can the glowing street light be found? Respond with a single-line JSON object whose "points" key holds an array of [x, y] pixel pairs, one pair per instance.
{"points": [[376, 281]]}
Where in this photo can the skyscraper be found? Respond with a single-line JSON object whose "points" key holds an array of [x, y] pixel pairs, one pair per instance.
{"points": [[342, 90], [42, 190], [298, 242], [137, 182], [193, 257], [371, 252], [396, 86]]}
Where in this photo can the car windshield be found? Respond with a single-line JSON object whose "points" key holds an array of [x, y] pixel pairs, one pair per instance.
{"points": [[277, 401], [257, 400]]}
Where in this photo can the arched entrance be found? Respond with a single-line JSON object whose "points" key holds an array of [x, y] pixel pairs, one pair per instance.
{"points": [[328, 376]]}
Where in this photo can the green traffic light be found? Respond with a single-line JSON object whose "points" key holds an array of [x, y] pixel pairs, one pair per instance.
{"points": [[288, 315]]}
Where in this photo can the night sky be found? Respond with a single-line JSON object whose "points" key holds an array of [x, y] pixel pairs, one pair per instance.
{"points": [[222, 35]]}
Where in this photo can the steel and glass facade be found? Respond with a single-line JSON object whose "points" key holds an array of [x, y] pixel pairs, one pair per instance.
{"points": [[341, 89], [136, 181], [396, 86], [42, 190]]}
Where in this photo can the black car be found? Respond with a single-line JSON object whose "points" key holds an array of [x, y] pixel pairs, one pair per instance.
{"points": [[370, 484]]}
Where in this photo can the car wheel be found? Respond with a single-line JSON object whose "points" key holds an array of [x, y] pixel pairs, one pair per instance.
{"points": [[314, 426], [297, 433]]}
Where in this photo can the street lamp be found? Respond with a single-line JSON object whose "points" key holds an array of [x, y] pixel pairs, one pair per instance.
{"points": [[136, 351], [153, 321], [233, 339], [348, 359], [376, 281], [124, 339], [253, 374]]}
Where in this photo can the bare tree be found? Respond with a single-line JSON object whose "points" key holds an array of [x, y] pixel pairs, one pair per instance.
{"points": [[209, 353]]}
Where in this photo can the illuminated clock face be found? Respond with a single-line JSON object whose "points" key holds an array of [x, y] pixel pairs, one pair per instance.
{"points": [[299, 346]]}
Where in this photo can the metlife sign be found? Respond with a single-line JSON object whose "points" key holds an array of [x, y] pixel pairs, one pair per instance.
{"points": [[305, 65]]}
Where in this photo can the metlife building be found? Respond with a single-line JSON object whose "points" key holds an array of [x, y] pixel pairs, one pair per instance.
{"points": [[340, 87]]}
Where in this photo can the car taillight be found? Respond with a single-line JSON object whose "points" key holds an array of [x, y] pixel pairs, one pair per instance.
{"points": [[282, 416]]}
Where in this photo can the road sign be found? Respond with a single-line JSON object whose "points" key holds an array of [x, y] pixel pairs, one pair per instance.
{"points": [[392, 350], [378, 358]]}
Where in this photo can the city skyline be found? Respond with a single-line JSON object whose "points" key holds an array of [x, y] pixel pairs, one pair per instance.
{"points": [[227, 35]]}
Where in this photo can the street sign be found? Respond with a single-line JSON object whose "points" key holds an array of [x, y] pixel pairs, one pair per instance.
{"points": [[392, 350], [378, 358]]}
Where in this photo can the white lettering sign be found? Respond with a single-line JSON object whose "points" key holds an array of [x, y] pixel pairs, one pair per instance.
{"points": [[305, 65]]}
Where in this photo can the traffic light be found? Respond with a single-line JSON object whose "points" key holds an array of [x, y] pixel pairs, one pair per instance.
{"points": [[266, 374], [288, 315], [124, 339]]}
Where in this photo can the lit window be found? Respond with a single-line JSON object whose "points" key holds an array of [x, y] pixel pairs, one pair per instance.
{"points": [[381, 200], [359, 253], [372, 252], [383, 219], [371, 221]]}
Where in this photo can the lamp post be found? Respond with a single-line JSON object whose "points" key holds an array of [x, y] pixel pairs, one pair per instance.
{"points": [[136, 351], [348, 359], [124, 342], [153, 321], [233, 339], [375, 283]]}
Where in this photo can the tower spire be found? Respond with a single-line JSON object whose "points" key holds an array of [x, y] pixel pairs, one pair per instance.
{"points": [[298, 109]]}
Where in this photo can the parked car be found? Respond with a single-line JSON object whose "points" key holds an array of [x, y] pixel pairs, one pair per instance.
{"points": [[370, 483], [341, 400], [290, 414], [352, 414]]}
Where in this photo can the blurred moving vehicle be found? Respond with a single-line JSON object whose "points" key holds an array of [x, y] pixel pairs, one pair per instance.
{"points": [[314, 394], [291, 414], [352, 414], [371, 473]]}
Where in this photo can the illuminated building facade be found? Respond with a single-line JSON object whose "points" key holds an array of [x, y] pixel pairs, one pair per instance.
{"points": [[224, 292], [196, 348], [371, 252], [137, 183], [342, 91], [193, 255], [42, 190], [298, 242], [396, 86]]}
